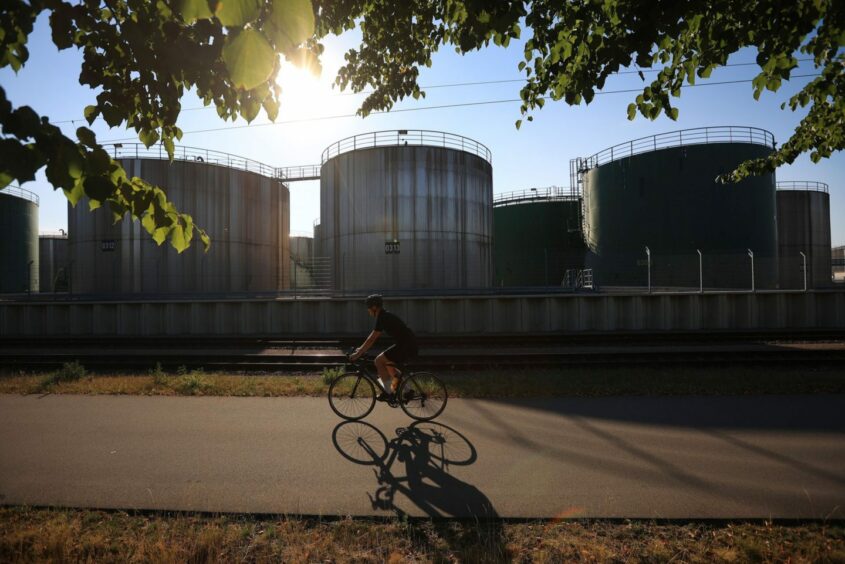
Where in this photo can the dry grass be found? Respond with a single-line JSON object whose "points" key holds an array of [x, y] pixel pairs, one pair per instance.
{"points": [[65, 535], [492, 383]]}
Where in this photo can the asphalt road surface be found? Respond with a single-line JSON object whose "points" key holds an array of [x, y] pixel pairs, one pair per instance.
{"points": [[635, 457]]}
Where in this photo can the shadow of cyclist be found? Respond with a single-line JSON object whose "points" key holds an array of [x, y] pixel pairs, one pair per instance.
{"points": [[426, 450]]}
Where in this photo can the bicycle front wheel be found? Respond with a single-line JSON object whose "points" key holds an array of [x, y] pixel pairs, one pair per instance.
{"points": [[352, 396], [423, 396]]}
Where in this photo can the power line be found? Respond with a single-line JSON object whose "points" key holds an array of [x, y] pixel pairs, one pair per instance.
{"points": [[453, 85], [438, 107]]}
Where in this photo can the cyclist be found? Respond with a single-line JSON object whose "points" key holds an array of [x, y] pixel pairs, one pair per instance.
{"points": [[404, 349]]}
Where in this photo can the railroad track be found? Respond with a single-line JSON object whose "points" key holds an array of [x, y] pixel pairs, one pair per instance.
{"points": [[270, 355]]}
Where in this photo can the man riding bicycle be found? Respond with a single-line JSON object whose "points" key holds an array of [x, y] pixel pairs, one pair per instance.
{"points": [[404, 349]]}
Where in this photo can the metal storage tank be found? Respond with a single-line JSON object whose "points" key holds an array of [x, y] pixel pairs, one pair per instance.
{"points": [[18, 240], [301, 261], [407, 209], [661, 192], [536, 236], [239, 202], [838, 260], [53, 262], [804, 227]]}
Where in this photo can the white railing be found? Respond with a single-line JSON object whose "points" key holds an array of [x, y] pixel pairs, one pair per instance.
{"points": [[21, 193], [401, 137], [140, 151], [295, 173], [803, 186], [549, 193], [682, 138]]}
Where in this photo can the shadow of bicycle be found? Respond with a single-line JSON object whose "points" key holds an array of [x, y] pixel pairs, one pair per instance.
{"points": [[425, 451]]}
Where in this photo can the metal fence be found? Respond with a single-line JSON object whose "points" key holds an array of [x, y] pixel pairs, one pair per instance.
{"points": [[193, 154], [704, 272], [546, 194], [12, 190], [803, 186], [402, 137]]}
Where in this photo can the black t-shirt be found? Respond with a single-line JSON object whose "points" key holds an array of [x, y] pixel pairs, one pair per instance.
{"points": [[394, 327]]}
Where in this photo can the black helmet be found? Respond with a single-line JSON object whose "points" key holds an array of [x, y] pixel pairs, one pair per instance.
{"points": [[374, 300]]}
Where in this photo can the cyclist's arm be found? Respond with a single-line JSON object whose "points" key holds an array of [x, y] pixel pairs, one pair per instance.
{"points": [[367, 344]]}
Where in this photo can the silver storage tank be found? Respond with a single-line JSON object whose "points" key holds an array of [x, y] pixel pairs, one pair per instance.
{"points": [[407, 210], [804, 227], [52, 260], [242, 206], [301, 261], [661, 192], [18, 240]]}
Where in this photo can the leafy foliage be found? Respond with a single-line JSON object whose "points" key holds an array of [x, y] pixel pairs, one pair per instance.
{"points": [[143, 55], [575, 46]]}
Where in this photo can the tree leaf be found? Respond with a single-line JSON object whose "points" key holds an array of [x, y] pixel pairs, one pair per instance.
{"points": [[234, 13], [193, 10], [291, 22], [249, 59], [86, 137]]}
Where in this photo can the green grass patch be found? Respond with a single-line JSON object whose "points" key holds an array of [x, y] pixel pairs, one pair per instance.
{"points": [[493, 383], [76, 535]]}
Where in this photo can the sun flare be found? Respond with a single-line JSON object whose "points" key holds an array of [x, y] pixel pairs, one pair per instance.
{"points": [[303, 91]]}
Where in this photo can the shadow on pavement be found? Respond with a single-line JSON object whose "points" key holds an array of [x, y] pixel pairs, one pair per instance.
{"points": [[426, 451], [794, 413]]}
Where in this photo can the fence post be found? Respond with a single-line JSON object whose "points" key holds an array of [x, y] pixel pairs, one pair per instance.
{"points": [[751, 254], [803, 256], [648, 263], [700, 274]]}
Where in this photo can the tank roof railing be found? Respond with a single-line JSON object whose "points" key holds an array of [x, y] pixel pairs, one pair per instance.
{"points": [[546, 194], [13, 190], [181, 153], [401, 137], [803, 186], [681, 138], [53, 234]]}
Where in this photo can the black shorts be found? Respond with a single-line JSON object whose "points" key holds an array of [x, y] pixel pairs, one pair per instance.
{"points": [[401, 353]]}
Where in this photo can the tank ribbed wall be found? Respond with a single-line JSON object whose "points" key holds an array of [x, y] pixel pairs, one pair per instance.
{"points": [[536, 242], [435, 203], [53, 262], [247, 216], [804, 227], [18, 244], [669, 200]]}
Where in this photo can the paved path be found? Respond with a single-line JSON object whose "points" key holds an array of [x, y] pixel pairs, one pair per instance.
{"points": [[770, 457]]}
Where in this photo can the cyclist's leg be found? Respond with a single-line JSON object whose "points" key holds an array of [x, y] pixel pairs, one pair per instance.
{"points": [[386, 369]]}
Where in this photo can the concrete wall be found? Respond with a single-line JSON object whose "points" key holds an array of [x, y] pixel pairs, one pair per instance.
{"points": [[484, 315]]}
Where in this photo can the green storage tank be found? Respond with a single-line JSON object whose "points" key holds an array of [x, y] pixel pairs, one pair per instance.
{"points": [[661, 192], [18, 240], [536, 236]]}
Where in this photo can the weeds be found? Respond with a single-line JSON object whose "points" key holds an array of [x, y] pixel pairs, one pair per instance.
{"points": [[329, 374], [69, 372], [193, 383], [86, 535], [159, 375]]}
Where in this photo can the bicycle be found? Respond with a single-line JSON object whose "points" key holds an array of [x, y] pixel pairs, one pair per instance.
{"points": [[352, 395]]}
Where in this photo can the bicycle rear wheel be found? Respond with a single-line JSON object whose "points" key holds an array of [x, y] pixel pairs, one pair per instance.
{"points": [[423, 396], [352, 396]]}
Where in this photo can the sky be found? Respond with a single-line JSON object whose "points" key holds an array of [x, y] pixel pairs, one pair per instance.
{"points": [[313, 116]]}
